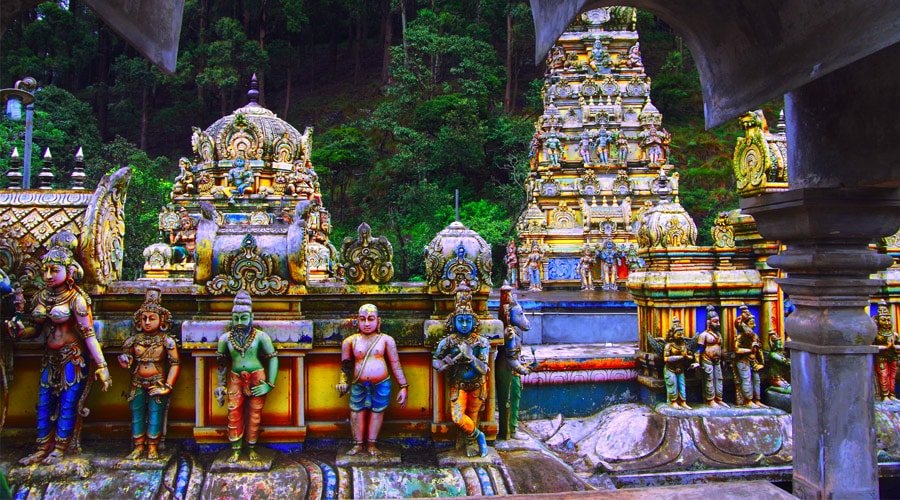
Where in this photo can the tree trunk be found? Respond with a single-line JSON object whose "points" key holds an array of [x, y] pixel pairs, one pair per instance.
{"points": [[287, 90], [261, 77], [403, 28], [357, 47], [105, 46], [387, 34], [145, 113], [507, 96]]}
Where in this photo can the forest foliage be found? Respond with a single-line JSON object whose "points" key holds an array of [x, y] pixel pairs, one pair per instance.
{"points": [[411, 100]]}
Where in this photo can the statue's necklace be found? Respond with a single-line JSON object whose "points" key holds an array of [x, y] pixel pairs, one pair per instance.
{"points": [[55, 298], [149, 340], [241, 345]]}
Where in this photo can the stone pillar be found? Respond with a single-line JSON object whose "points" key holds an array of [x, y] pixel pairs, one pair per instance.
{"points": [[842, 168]]}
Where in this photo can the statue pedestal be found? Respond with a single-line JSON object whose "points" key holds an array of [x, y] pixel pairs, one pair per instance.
{"points": [[165, 456], [70, 468], [262, 464], [458, 458], [387, 455]]}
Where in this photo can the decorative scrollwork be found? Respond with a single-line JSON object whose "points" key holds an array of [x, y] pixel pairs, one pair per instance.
{"points": [[248, 269], [723, 232], [609, 86], [459, 270], [103, 237], [367, 259]]}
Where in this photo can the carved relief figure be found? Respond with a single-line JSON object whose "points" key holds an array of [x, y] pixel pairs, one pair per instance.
{"points": [[677, 358], [241, 177], [584, 268], [145, 353], [184, 238], [184, 183], [609, 265], [709, 358], [888, 343], [533, 267], [554, 149], [748, 360], [364, 373], [62, 311], [463, 356], [512, 263], [653, 145], [778, 368], [248, 368], [622, 148], [584, 148], [602, 144], [510, 367]]}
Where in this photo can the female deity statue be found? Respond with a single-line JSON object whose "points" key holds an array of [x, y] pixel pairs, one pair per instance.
{"points": [[677, 359], [653, 145], [145, 353], [533, 267], [602, 144], [888, 343], [184, 183], [584, 148], [584, 268], [62, 311], [512, 264], [634, 56], [622, 148]]}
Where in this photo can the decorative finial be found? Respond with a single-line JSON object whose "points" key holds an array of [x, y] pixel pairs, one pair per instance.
{"points": [[46, 175], [457, 205], [14, 175], [781, 127], [78, 174], [253, 93]]}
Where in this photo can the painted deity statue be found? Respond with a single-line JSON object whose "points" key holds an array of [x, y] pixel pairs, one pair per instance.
{"points": [[554, 149], [535, 148], [463, 356], [300, 183], [533, 267], [512, 263], [364, 374], [634, 56], [145, 353], [622, 148], [609, 259], [510, 367], [584, 148], [602, 145], [184, 238], [653, 145], [241, 177], [62, 311], [709, 358], [778, 367], [184, 182], [599, 60], [585, 265], [250, 376], [677, 359], [748, 360], [632, 259], [888, 343]]}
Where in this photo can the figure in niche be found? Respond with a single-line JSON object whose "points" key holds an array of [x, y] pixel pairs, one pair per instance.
{"points": [[151, 386], [512, 263], [184, 238], [599, 59], [184, 183], [709, 358], [602, 144], [364, 373], [62, 311], [299, 182], [241, 177], [585, 266], [888, 343], [778, 368], [463, 356], [584, 148], [556, 59], [609, 260], [748, 360], [510, 367], [535, 148], [632, 259], [634, 56], [677, 359], [533, 267], [653, 145], [554, 149], [622, 263], [622, 148], [242, 351]]}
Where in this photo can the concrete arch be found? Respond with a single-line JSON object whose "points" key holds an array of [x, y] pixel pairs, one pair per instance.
{"points": [[751, 51]]}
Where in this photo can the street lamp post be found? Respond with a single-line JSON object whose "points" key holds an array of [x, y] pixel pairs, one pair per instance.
{"points": [[22, 94]]}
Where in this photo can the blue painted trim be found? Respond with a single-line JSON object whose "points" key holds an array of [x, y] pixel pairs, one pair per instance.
{"points": [[487, 488], [539, 305], [329, 476]]}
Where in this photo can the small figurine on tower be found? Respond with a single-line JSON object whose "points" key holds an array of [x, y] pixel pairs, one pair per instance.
{"points": [[888, 343]]}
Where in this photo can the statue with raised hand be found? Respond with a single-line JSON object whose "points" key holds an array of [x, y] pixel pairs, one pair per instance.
{"points": [[250, 376]]}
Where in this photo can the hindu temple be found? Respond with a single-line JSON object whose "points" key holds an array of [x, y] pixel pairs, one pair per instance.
{"points": [[255, 357]]}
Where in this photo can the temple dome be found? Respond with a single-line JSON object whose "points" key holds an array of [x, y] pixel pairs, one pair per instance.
{"points": [[458, 253], [667, 225], [253, 132]]}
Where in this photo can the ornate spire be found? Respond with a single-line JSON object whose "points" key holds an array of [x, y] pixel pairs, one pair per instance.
{"points": [[78, 174], [14, 175], [253, 93], [46, 175]]}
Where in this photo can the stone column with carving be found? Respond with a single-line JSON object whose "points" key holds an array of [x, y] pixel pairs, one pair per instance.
{"points": [[844, 196]]}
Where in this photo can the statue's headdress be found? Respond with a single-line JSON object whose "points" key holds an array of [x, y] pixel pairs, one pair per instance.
{"points": [[676, 327], [884, 314], [463, 306], [62, 251], [153, 303], [711, 314], [242, 302]]}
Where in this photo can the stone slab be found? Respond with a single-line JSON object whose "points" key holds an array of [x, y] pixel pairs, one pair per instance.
{"points": [[702, 410], [112, 462], [409, 482], [387, 455], [263, 464], [70, 468], [528, 443], [458, 458]]}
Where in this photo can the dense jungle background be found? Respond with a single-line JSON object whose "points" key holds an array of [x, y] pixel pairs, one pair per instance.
{"points": [[409, 99]]}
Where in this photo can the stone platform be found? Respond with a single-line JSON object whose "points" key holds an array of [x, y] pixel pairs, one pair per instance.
{"points": [[576, 317]]}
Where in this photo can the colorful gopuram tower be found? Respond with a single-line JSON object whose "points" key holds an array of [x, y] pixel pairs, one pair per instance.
{"points": [[598, 148]]}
